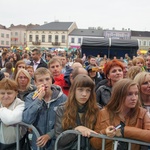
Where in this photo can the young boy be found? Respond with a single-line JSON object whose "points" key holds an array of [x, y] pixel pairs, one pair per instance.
{"points": [[40, 107], [55, 67]]}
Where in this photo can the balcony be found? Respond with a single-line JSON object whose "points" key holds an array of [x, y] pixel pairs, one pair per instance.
{"points": [[36, 43], [56, 43]]}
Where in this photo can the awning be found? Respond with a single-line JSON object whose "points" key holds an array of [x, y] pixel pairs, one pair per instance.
{"points": [[124, 43], [74, 46], [95, 42], [109, 47]]}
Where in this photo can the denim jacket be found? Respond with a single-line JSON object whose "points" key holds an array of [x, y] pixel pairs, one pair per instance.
{"points": [[42, 114]]}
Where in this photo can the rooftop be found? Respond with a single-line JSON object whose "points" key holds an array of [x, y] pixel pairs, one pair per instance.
{"points": [[55, 26]]}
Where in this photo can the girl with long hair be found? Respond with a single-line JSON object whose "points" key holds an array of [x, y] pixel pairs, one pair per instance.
{"points": [[19, 65], [143, 80], [123, 108], [79, 113]]}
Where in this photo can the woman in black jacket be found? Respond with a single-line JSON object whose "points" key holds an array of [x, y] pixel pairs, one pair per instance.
{"points": [[78, 113]]}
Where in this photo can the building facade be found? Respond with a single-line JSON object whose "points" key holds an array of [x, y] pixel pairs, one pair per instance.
{"points": [[18, 35], [50, 35], [63, 35], [76, 36], [5, 36], [118, 34], [143, 38]]}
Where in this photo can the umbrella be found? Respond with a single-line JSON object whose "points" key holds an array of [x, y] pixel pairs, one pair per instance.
{"points": [[20, 48], [43, 48], [66, 49], [141, 51], [27, 48]]}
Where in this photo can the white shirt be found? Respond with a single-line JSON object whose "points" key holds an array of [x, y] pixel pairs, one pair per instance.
{"points": [[9, 116], [35, 64]]}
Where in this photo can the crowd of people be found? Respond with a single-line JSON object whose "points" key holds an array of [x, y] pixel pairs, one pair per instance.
{"points": [[60, 91]]}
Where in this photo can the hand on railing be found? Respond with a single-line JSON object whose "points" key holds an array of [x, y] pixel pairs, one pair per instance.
{"points": [[85, 131], [42, 140], [101, 136]]}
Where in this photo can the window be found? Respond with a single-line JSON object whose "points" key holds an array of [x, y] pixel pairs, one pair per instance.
{"points": [[140, 43], [49, 38], [30, 38], [7, 35], [63, 39], [16, 33], [72, 40], [2, 42], [36, 38], [79, 40], [120, 34], [43, 38], [126, 36], [114, 34], [24, 35], [16, 40], [144, 43], [2, 34], [7, 42], [108, 34], [56, 38]]}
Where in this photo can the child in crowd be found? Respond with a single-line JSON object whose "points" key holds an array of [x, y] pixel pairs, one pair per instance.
{"points": [[79, 113]]}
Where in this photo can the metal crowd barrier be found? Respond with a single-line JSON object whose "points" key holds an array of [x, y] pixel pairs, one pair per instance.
{"points": [[18, 133], [103, 137]]}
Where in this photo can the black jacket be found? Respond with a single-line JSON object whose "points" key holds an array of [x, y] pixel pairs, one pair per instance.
{"points": [[41, 64], [102, 82], [2, 66], [103, 94], [67, 141]]}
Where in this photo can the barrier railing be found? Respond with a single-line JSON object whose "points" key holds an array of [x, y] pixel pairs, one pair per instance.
{"points": [[18, 133], [103, 137]]}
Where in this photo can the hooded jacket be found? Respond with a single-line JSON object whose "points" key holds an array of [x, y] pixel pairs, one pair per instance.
{"points": [[42, 114]]}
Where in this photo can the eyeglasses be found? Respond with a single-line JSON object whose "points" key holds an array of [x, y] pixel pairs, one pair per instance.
{"points": [[22, 78]]}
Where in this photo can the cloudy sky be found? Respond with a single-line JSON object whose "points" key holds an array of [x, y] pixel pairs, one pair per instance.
{"points": [[133, 14]]}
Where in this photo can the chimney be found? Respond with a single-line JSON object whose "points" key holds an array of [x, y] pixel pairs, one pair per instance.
{"points": [[45, 22]]}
